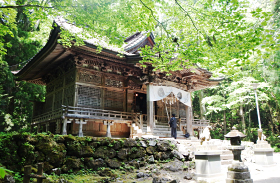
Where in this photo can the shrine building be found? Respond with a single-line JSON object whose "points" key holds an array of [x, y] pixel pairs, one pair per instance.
{"points": [[109, 93]]}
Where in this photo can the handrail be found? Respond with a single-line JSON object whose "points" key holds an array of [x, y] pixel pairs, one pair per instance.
{"points": [[196, 122], [48, 115], [71, 111]]}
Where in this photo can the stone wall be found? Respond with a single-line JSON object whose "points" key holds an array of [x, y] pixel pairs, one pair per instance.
{"points": [[72, 153]]}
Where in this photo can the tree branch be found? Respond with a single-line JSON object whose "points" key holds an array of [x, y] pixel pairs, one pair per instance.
{"points": [[155, 18], [187, 15], [27, 5]]}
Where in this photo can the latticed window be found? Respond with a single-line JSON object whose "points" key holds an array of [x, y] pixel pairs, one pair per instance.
{"points": [[89, 96], [58, 99], [113, 100], [69, 94], [49, 102]]}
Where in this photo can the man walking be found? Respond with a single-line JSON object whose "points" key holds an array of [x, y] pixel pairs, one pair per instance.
{"points": [[173, 125]]}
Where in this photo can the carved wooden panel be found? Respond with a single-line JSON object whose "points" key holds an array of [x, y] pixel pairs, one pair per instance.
{"points": [[86, 76], [133, 86], [113, 100], [89, 96], [114, 81], [93, 63]]}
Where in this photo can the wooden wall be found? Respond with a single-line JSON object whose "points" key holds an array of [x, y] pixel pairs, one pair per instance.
{"points": [[98, 129]]}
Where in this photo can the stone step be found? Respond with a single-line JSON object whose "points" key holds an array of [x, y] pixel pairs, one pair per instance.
{"points": [[160, 128]]}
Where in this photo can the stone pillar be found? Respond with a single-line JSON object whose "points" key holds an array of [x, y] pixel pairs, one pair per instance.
{"points": [[47, 127], [208, 163], [108, 132], [150, 111], [189, 120], [81, 129], [263, 153], [81, 123], [64, 128]]}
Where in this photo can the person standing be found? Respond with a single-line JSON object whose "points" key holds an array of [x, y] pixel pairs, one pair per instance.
{"points": [[173, 125]]}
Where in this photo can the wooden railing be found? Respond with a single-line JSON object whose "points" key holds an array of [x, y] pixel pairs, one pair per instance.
{"points": [[58, 113], [196, 122], [156, 117], [200, 122], [93, 113], [138, 120]]}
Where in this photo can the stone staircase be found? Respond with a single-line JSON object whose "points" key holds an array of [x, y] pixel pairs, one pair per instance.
{"points": [[162, 130]]}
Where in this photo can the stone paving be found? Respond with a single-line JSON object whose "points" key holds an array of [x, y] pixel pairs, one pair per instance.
{"points": [[259, 174]]}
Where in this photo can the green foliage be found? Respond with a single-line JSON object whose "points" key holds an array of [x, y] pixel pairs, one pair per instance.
{"points": [[2, 172], [274, 141]]}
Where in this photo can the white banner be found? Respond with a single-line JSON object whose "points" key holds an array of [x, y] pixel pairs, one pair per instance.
{"points": [[160, 92]]}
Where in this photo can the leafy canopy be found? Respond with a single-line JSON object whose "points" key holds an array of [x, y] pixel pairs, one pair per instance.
{"points": [[210, 33]]}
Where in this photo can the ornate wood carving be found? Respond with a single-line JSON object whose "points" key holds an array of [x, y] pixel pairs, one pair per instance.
{"points": [[86, 76], [106, 66], [112, 81], [133, 86]]}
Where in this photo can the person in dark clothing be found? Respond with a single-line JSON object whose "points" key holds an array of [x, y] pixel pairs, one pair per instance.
{"points": [[173, 125]]}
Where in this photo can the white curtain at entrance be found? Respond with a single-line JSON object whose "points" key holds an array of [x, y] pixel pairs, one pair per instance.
{"points": [[160, 92], [182, 96]]}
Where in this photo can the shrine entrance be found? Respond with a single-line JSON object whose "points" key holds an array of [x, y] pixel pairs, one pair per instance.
{"points": [[141, 103]]}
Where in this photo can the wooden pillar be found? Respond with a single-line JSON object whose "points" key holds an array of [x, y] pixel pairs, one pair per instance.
{"points": [[103, 90], [150, 111], [189, 116], [58, 127], [27, 172], [40, 172]]}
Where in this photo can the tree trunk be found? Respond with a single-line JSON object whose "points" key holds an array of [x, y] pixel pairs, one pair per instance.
{"points": [[202, 106], [225, 123], [243, 125], [273, 119]]}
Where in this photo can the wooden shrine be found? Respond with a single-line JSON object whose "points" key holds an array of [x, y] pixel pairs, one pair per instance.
{"points": [[103, 94]]}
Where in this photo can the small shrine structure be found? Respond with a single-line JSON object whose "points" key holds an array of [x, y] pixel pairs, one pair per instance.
{"points": [[108, 93]]}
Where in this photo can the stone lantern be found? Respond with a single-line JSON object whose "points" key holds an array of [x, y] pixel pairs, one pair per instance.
{"points": [[237, 171]]}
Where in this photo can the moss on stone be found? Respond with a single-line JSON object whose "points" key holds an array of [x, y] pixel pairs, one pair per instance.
{"points": [[104, 152]]}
